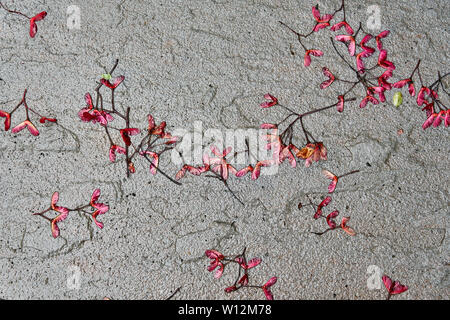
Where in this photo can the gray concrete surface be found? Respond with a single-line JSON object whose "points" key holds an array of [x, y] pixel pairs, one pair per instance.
{"points": [[212, 61]]}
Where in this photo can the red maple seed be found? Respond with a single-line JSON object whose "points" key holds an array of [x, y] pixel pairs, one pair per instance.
{"points": [[324, 203], [351, 43], [400, 84], [393, 287], [26, 124], [266, 288], [267, 104], [346, 228], [126, 133], [112, 152], [216, 261], [330, 80], [117, 81], [316, 53], [7, 117], [340, 105], [341, 24], [63, 212], [33, 25], [330, 218]]}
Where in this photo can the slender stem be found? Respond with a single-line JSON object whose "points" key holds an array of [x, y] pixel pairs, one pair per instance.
{"points": [[114, 67], [348, 173], [127, 120], [304, 131], [174, 293], [349, 90], [340, 55], [232, 192], [357, 31], [290, 115], [46, 218], [42, 213], [299, 36], [420, 77], [109, 136], [35, 112], [101, 102], [346, 81], [324, 108], [288, 109], [20, 103], [321, 233], [25, 104], [439, 80], [219, 177], [160, 171], [110, 72], [311, 203], [139, 147], [14, 12], [415, 69], [343, 8], [97, 98], [112, 100], [80, 208], [290, 126]]}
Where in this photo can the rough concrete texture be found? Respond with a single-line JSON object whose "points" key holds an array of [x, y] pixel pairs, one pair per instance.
{"points": [[212, 61]]}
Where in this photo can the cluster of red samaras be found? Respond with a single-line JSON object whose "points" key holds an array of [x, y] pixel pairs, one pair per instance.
{"points": [[311, 152], [27, 122], [92, 114], [331, 216], [217, 263], [425, 96], [63, 212], [159, 132], [280, 152], [219, 164], [433, 118]]}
